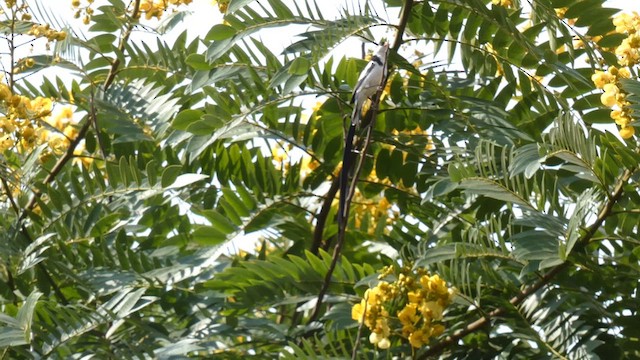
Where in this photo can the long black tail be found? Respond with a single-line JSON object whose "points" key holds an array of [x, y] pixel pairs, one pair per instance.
{"points": [[347, 166]]}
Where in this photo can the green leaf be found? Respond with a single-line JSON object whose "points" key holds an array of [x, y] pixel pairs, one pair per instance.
{"points": [[185, 118], [235, 5], [220, 32], [105, 224], [299, 66], [492, 189], [170, 174], [527, 160], [599, 116], [25, 314], [198, 62]]}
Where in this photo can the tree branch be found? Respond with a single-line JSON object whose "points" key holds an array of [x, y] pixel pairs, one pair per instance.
{"points": [[604, 212], [92, 119], [68, 155], [321, 218], [404, 18]]}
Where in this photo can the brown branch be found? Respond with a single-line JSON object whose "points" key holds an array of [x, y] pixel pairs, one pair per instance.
{"points": [[404, 18], [59, 165], [92, 118], [113, 71], [123, 42], [321, 218], [68, 155], [12, 47], [7, 190], [348, 196], [544, 280]]}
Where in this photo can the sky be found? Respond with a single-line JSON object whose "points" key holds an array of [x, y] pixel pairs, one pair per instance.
{"points": [[204, 15]]}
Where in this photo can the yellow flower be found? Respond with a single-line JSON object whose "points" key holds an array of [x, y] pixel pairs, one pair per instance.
{"points": [[146, 6], [70, 132], [627, 132], [561, 11], [432, 310], [40, 106], [5, 92], [418, 338], [620, 117], [279, 155], [58, 144], [222, 5], [408, 314], [504, 3], [437, 330], [384, 343], [373, 296], [415, 297], [7, 125], [626, 23], [28, 132], [6, 142], [66, 112], [601, 78], [381, 340], [434, 284], [608, 98], [382, 326], [624, 73], [628, 51], [357, 312]]}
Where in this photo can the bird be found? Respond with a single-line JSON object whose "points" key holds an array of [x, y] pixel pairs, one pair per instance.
{"points": [[370, 80]]}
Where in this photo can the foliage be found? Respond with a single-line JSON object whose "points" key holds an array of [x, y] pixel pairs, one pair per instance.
{"points": [[137, 159]]}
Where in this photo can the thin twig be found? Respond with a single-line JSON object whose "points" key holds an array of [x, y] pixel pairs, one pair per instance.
{"points": [[321, 218], [7, 190], [354, 353]]}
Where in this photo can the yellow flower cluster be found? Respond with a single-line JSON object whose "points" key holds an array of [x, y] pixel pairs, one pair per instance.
{"points": [[87, 11], [18, 124], [26, 123], [370, 211], [282, 161], [417, 299], [47, 32], [615, 98], [23, 64], [62, 132], [628, 53], [503, 3], [156, 8]]}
